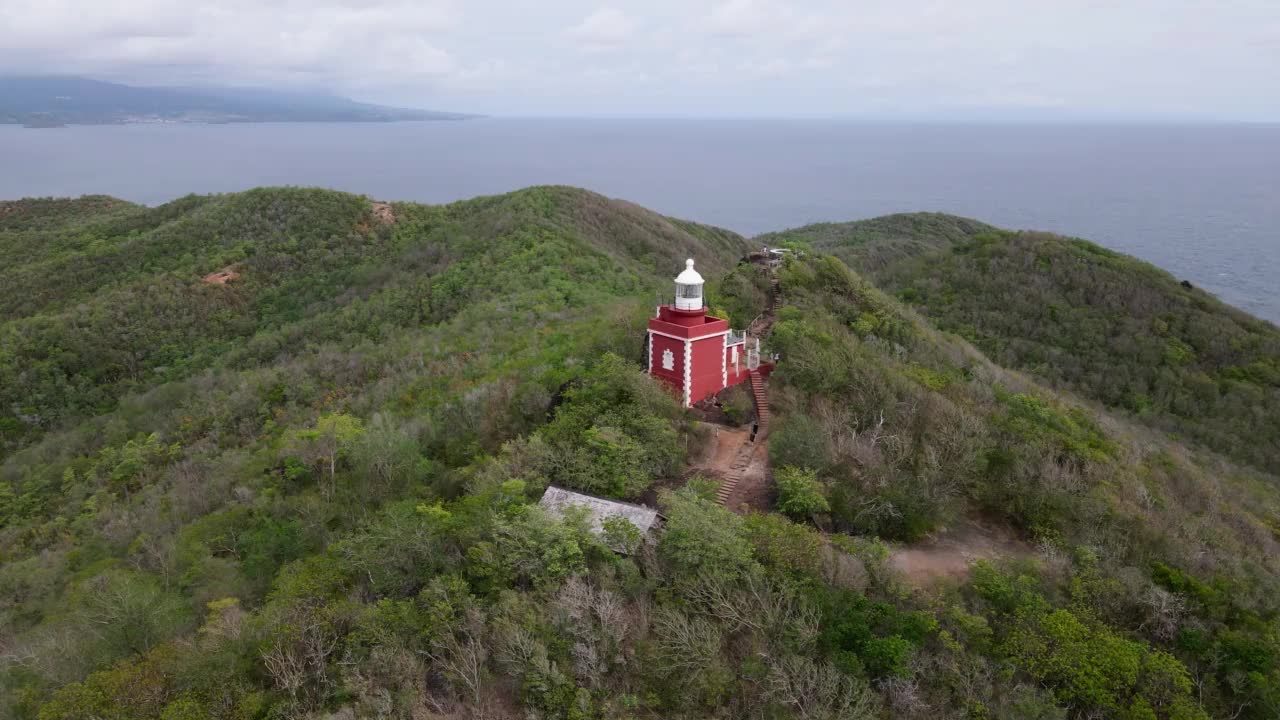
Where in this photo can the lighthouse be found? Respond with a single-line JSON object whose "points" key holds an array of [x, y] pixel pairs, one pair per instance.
{"points": [[693, 352]]}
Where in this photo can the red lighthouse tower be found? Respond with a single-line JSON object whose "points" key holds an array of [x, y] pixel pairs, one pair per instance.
{"points": [[695, 353]]}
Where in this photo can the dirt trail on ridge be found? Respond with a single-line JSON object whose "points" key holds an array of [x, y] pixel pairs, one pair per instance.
{"points": [[950, 554]]}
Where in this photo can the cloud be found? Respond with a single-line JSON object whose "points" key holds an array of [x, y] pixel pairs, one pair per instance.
{"points": [[742, 17], [771, 20], [826, 57], [606, 28], [327, 42]]}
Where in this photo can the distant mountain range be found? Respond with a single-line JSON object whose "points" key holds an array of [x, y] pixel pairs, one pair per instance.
{"points": [[59, 100]]}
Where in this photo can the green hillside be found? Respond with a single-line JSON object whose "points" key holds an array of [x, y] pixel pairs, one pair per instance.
{"points": [[903, 430], [1084, 319], [114, 303], [310, 491]]}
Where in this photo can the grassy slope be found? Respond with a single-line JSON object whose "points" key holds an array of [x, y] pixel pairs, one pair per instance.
{"points": [[1085, 319]]}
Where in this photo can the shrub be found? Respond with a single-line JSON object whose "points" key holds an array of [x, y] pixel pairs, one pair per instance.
{"points": [[614, 433], [799, 441], [800, 494], [702, 537]]}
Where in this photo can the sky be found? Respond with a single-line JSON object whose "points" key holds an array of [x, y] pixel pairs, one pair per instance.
{"points": [[929, 59]]}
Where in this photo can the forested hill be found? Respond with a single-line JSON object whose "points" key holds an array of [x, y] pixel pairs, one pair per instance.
{"points": [[1083, 318], [103, 298], [52, 100], [278, 454]]}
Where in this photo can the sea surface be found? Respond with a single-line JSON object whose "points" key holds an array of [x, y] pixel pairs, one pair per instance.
{"points": [[1200, 201]]}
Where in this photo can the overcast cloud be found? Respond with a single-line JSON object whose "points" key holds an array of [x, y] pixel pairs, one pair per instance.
{"points": [[1116, 58]]}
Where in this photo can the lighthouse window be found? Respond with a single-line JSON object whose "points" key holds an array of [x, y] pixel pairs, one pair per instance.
{"points": [[689, 291], [668, 360]]}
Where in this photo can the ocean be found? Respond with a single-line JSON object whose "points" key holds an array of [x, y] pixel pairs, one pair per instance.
{"points": [[1203, 202]]}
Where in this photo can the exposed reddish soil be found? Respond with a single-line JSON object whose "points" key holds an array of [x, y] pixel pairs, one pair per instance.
{"points": [[384, 213], [716, 455], [950, 554], [222, 277]]}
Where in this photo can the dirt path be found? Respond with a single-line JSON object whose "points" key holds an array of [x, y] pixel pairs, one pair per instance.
{"points": [[752, 491], [950, 554], [718, 454], [723, 453]]}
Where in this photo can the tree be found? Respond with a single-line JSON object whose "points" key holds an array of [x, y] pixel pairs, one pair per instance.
{"points": [[462, 656], [529, 548], [386, 453], [791, 548], [702, 537], [401, 549], [333, 434], [818, 691], [1092, 667], [800, 441], [800, 494], [614, 432], [129, 613], [620, 534]]}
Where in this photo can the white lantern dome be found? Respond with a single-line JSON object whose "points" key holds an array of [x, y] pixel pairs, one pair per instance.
{"points": [[689, 288]]}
